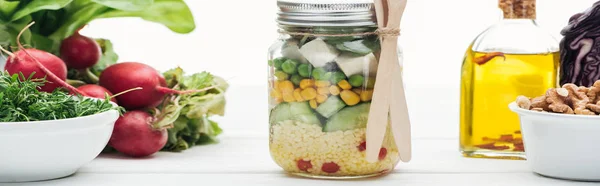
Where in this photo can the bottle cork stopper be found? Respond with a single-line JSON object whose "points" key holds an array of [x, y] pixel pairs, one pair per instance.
{"points": [[518, 9]]}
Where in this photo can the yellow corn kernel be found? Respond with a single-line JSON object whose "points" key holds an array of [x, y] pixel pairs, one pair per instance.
{"points": [[366, 95], [344, 85], [276, 94], [305, 83], [322, 83], [357, 90], [297, 95], [289, 98], [278, 100], [309, 93], [321, 98], [286, 87], [276, 85], [323, 90], [334, 90], [349, 97], [313, 103]]}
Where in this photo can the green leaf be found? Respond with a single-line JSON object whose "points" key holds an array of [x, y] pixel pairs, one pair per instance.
{"points": [[127, 5], [7, 8], [212, 104], [357, 47], [169, 113], [47, 21], [15, 27], [41, 42], [109, 57], [173, 76], [174, 14], [5, 36], [77, 19], [194, 109], [216, 130], [197, 81], [37, 5]]}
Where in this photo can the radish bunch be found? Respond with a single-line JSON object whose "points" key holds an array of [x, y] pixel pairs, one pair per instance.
{"points": [[137, 87], [38, 64]]}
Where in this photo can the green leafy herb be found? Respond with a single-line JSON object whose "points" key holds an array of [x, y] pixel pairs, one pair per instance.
{"points": [[179, 19], [128, 5], [20, 100], [359, 47], [59, 19], [34, 6], [189, 114]]}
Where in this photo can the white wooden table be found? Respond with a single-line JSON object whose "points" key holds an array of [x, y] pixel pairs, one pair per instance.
{"points": [[242, 156]]}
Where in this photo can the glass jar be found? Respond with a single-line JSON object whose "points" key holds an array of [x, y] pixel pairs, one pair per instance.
{"points": [[511, 58], [320, 89]]}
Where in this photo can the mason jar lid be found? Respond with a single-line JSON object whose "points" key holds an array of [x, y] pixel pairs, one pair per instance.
{"points": [[326, 13]]}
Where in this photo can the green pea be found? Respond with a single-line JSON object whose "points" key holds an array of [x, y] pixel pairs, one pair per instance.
{"points": [[327, 76], [317, 73], [278, 62], [281, 75], [337, 77], [304, 70], [356, 80], [370, 82], [289, 66], [296, 79]]}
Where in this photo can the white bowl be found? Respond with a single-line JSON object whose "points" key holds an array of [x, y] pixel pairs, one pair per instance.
{"points": [[560, 145], [42, 150]]}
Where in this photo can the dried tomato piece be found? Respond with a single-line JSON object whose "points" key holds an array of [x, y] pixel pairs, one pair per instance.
{"points": [[519, 147], [506, 138], [362, 146], [382, 153], [492, 146], [304, 165], [330, 167]]}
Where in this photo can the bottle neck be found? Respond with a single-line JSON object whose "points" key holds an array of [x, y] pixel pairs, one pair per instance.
{"points": [[518, 9], [518, 22]]}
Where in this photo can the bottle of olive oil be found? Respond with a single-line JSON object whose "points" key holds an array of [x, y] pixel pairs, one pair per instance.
{"points": [[512, 57]]}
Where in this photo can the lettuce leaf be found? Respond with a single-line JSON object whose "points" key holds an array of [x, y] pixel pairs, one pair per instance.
{"points": [[189, 114]]}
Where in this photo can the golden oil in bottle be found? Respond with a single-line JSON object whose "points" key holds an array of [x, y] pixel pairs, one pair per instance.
{"points": [[491, 81], [512, 57]]}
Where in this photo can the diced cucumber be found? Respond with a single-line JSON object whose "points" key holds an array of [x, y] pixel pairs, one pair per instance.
{"points": [[297, 111], [332, 105], [349, 118]]}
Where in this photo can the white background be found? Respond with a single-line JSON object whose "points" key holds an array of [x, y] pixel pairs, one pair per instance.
{"points": [[232, 39]]}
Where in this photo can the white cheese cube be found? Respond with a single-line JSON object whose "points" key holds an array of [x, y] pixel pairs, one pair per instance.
{"points": [[319, 53], [352, 65], [290, 50]]}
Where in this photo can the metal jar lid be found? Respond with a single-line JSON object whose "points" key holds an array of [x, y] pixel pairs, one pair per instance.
{"points": [[341, 13]]}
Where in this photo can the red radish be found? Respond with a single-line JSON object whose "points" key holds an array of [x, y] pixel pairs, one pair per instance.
{"points": [[127, 75], [96, 91], [80, 52], [135, 136], [44, 64], [20, 62]]}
